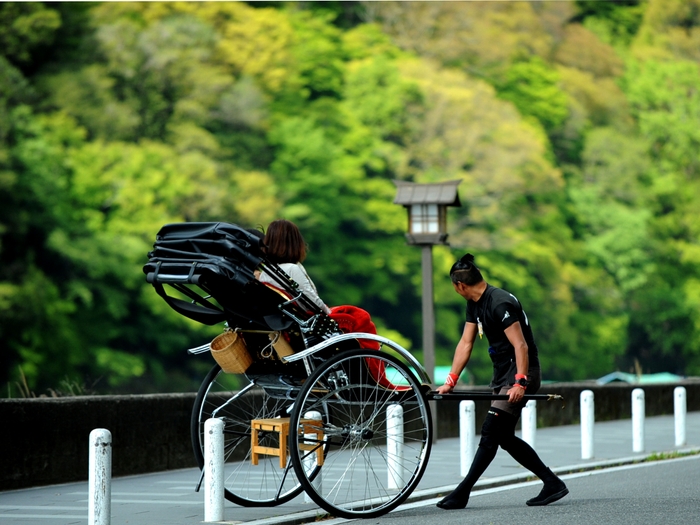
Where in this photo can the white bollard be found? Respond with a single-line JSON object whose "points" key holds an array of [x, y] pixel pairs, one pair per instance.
{"points": [[529, 422], [637, 420], [100, 477], [679, 412], [310, 459], [587, 423], [214, 469], [467, 435], [394, 446]]}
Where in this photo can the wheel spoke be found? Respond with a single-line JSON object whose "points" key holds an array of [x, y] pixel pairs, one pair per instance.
{"points": [[354, 480], [265, 484]]}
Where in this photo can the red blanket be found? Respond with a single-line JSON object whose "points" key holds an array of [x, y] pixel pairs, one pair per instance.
{"points": [[353, 319]]}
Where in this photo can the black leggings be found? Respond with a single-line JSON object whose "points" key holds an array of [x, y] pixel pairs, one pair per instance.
{"points": [[499, 430]]}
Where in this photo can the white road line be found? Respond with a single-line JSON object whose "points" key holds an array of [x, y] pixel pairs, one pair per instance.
{"points": [[154, 494], [147, 494], [41, 507], [165, 482], [157, 502], [174, 503], [42, 517], [629, 467]]}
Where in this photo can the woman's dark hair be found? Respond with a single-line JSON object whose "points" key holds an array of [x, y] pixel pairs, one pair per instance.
{"points": [[284, 242], [465, 271]]}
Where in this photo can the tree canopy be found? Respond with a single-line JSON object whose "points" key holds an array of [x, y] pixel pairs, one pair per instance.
{"points": [[573, 126]]}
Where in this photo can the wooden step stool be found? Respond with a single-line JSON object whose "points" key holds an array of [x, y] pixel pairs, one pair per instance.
{"points": [[281, 426]]}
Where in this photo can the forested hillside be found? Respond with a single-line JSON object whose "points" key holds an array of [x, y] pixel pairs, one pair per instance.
{"points": [[574, 126]]}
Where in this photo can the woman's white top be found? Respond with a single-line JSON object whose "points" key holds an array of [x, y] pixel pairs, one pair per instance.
{"points": [[297, 273]]}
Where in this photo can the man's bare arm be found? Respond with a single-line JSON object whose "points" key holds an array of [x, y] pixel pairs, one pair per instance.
{"points": [[462, 354], [514, 333]]}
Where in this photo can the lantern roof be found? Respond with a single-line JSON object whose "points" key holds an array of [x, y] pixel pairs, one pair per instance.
{"points": [[444, 193]]}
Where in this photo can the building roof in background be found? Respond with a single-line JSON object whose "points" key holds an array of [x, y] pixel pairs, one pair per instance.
{"points": [[661, 377]]}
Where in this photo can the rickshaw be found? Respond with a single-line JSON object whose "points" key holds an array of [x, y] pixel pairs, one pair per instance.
{"points": [[307, 407]]}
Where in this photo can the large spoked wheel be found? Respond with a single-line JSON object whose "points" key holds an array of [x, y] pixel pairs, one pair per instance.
{"points": [[377, 440], [239, 401]]}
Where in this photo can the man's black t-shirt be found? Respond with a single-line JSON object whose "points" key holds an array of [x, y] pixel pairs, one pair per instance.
{"points": [[495, 311]]}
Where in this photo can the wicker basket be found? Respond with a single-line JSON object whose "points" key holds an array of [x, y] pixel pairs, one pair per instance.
{"points": [[230, 351]]}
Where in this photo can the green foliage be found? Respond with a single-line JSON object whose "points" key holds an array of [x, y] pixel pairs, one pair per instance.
{"points": [[318, 55], [24, 26], [533, 87], [480, 37], [670, 30], [664, 99], [608, 200], [614, 22], [573, 127], [666, 102]]}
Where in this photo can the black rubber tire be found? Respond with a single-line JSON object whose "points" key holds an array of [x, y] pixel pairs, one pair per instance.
{"points": [[354, 479], [263, 485]]}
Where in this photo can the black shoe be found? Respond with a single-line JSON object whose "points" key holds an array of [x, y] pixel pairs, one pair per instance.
{"points": [[449, 503], [551, 492]]}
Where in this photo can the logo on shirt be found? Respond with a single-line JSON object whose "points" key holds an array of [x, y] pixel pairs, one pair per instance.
{"points": [[505, 317]]}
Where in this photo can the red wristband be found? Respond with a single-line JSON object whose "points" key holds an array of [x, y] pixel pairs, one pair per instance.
{"points": [[451, 379], [520, 376], [521, 386]]}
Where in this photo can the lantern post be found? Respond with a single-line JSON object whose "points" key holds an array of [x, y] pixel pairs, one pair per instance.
{"points": [[426, 205]]}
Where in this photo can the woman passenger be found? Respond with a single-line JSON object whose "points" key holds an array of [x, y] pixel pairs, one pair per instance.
{"points": [[286, 247]]}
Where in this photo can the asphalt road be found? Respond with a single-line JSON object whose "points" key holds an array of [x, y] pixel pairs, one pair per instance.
{"points": [[659, 493]]}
